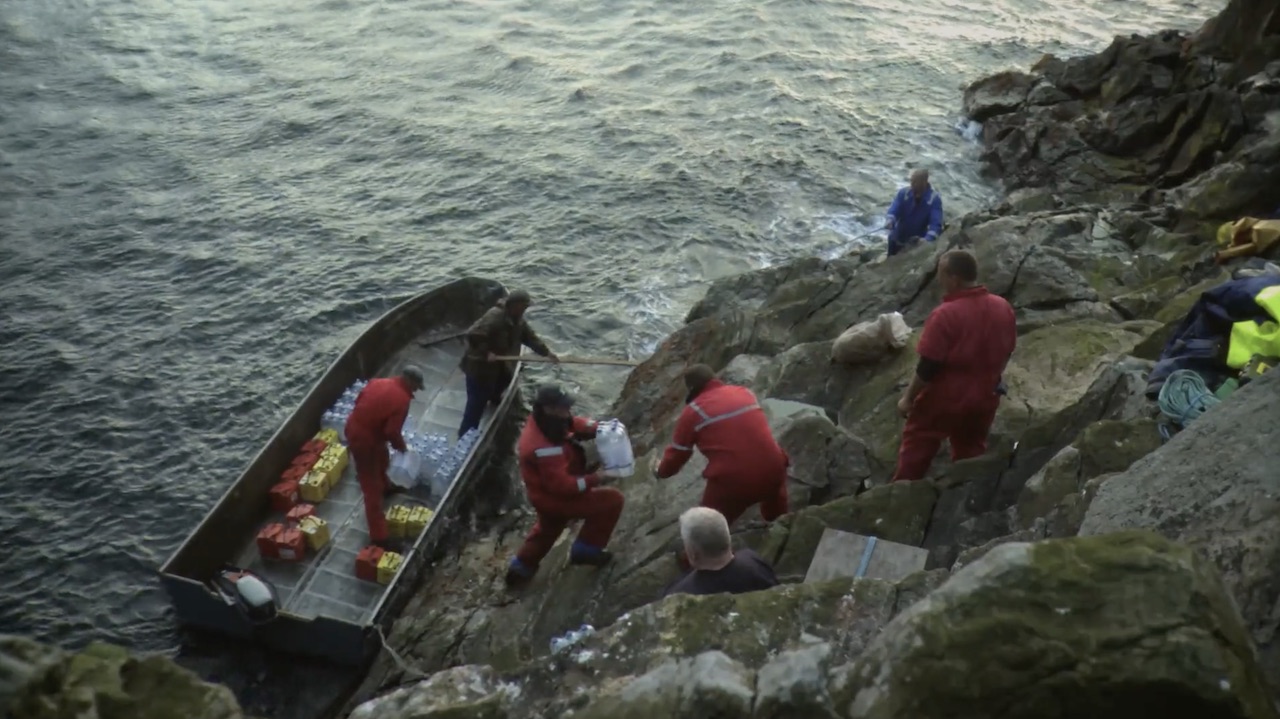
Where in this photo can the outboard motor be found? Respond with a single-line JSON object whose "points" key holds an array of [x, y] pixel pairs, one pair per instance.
{"points": [[252, 595]]}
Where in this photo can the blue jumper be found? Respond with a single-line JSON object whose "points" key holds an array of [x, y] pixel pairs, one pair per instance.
{"points": [[914, 217]]}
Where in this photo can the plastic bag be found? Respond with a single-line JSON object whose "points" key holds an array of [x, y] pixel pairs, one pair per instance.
{"points": [[403, 470], [614, 447], [871, 340]]}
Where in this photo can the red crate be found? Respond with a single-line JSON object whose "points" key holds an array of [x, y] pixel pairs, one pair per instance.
{"points": [[304, 460], [367, 563], [291, 546], [284, 496], [301, 511], [295, 473], [315, 446], [267, 544]]}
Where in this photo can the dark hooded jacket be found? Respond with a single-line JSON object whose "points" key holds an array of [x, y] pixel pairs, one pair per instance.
{"points": [[496, 332]]}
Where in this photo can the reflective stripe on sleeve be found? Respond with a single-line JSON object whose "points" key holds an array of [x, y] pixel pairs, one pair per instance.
{"points": [[582, 484], [548, 452], [722, 417]]}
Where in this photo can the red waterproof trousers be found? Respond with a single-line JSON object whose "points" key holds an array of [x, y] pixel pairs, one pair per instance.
{"points": [[598, 507], [923, 434], [732, 498], [371, 472]]}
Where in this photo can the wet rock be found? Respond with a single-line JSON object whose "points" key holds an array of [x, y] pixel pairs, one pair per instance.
{"points": [[1214, 486], [1078, 627], [996, 95], [707, 685], [825, 459], [805, 373], [1103, 447], [794, 686], [749, 290], [896, 512], [744, 369], [469, 692], [103, 682]]}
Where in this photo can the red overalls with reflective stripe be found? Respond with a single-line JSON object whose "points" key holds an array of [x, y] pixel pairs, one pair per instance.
{"points": [[745, 465], [561, 491]]}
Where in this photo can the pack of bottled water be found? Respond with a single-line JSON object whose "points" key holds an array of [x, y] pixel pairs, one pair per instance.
{"points": [[335, 417], [562, 644]]}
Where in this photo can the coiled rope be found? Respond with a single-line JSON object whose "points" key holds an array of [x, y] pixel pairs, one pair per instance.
{"points": [[1185, 397]]}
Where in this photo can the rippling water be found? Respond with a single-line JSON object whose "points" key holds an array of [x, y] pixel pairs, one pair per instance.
{"points": [[203, 201]]}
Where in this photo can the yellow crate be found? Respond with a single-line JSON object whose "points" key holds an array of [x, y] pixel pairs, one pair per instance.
{"points": [[397, 517], [314, 487], [316, 532], [388, 566], [328, 468], [417, 521], [328, 436], [340, 456]]}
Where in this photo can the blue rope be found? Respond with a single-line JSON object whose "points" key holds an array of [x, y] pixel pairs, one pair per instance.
{"points": [[866, 558], [1185, 397]]}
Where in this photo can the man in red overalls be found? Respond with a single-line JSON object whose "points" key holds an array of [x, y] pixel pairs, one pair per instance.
{"points": [[376, 420], [745, 465], [560, 487], [954, 395]]}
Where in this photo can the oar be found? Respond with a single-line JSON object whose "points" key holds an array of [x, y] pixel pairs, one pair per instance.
{"points": [[571, 360]]}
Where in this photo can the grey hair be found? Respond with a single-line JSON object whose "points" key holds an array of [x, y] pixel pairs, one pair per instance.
{"points": [[705, 532], [413, 374]]}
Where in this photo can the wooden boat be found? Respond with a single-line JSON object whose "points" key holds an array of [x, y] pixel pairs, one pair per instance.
{"points": [[323, 609]]}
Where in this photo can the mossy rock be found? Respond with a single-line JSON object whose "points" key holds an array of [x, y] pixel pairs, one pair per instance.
{"points": [[1106, 627], [748, 627], [897, 512]]}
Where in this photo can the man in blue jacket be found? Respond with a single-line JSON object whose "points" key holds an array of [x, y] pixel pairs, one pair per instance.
{"points": [[916, 213]]}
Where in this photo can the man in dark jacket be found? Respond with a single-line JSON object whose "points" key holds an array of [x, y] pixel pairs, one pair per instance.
{"points": [[499, 332], [717, 569], [376, 421]]}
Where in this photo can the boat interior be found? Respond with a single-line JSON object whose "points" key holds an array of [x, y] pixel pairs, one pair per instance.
{"points": [[325, 583]]}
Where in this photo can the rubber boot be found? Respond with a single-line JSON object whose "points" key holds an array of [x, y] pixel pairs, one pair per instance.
{"points": [[518, 575], [583, 553]]}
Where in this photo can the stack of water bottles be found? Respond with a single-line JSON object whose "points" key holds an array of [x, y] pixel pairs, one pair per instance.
{"points": [[335, 417]]}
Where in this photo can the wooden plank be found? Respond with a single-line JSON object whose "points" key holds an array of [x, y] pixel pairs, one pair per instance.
{"points": [[844, 554], [572, 360]]}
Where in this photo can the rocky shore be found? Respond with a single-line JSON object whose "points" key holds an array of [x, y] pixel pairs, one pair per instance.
{"points": [[1083, 567]]}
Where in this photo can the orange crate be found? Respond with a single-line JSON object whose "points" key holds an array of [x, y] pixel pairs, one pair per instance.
{"points": [[291, 546], [267, 540], [367, 563], [284, 496], [301, 511]]}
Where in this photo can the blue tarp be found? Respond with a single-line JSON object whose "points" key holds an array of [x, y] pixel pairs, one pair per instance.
{"points": [[1200, 342]]}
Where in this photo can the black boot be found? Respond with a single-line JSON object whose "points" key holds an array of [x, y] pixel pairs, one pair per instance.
{"points": [[594, 559]]}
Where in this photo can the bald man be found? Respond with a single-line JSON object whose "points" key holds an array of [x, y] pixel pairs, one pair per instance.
{"points": [[916, 213], [964, 347]]}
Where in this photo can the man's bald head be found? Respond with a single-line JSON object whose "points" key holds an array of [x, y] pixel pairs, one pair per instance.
{"points": [[919, 180], [957, 269]]}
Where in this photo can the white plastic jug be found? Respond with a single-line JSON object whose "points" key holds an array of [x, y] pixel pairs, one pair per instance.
{"points": [[403, 471], [614, 447]]}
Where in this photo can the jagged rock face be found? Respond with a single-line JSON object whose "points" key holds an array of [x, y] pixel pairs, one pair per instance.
{"points": [[1107, 627], [103, 682], [1215, 486], [1141, 113]]}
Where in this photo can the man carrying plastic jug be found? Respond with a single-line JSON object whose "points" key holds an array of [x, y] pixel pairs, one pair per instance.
{"points": [[376, 421], [498, 333], [745, 465], [560, 487]]}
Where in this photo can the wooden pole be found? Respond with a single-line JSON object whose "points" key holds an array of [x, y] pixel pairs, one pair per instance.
{"points": [[572, 360]]}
